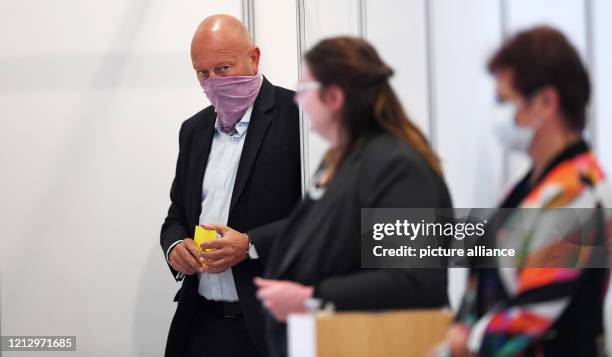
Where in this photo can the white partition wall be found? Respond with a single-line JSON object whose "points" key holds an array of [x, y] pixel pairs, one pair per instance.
{"points": [[567, 15], [405, 51], [330, 18], [92, 95], [600, 28], [465, 32], [319, 19], [276, 35]]}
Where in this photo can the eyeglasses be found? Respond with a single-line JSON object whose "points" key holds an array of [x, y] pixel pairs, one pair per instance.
{"points": [[528, 98], [306, 86]]}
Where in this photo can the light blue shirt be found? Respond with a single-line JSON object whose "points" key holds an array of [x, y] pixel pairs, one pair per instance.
{"points": [[217, 189]]}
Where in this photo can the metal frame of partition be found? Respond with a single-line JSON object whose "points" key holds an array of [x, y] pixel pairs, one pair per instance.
{"points": [[589, 23], [503, 16], [301, 45], [247, 9], [363, 18], [431, 75]]}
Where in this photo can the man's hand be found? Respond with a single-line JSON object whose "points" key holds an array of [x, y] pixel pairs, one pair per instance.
{"points": [[230, 250], [186, 258], [282, 297]]}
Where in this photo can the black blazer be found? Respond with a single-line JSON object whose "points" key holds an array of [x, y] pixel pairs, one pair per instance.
{"points": [[267, 187], [320, 243]]}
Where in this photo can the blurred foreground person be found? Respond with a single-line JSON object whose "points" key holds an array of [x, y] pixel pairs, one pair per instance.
{"points": [[377, 158]]}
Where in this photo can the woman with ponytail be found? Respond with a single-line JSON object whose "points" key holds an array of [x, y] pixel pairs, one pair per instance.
{"points": [[377, 158]]}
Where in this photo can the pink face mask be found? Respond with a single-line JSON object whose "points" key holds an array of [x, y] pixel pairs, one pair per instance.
{"points": [[231, 96]]}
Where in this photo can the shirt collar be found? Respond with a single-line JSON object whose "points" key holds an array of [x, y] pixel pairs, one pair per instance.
{"points": [[240, 127]]}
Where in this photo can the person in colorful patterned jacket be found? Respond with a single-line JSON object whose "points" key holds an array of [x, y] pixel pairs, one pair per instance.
{"points": [[549, 301]]}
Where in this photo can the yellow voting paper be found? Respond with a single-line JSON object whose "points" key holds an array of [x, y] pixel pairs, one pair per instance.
{"points": [[204, 235]]}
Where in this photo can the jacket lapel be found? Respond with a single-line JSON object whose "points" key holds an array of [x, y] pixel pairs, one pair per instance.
{"points": [[256, 132], [289, 249], [201, 150]]}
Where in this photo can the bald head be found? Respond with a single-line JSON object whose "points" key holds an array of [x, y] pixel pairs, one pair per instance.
{"points": [[222, 46], [221, 30]]}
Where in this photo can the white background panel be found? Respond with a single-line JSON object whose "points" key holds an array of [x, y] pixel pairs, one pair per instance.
{"points": [[95, 94], [566, 15], [330, 18], [276, 36], [324, 19], [602, 79], [602, 86], [405, 51], [465, 33], [40, 27]]}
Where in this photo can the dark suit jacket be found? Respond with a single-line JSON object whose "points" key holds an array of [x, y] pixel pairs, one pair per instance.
{"points": [[320, 243], [267, 187]]}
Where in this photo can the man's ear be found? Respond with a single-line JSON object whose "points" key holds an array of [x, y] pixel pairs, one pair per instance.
{"points": [[254, 56]]}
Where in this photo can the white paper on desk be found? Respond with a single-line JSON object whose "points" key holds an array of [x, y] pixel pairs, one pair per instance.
{"points": [[302, 335]]}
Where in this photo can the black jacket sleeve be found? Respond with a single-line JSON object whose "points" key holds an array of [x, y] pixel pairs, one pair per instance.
{"points": [[174, 227], [264, 236], [385, 289]]}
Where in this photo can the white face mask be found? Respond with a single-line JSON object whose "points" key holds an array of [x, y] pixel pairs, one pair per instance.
{"points": [[512, 136]]}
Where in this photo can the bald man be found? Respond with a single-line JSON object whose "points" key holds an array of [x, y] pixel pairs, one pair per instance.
{"points": [[238, 166]]}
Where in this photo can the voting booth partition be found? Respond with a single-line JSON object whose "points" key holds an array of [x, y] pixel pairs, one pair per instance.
{"points": [[400, 333]]}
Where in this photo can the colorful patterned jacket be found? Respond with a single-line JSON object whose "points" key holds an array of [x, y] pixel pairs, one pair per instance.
{"points": [[548, 301]]}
